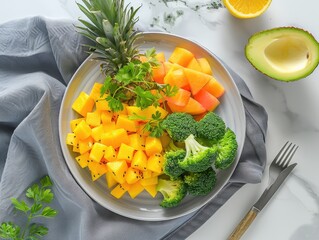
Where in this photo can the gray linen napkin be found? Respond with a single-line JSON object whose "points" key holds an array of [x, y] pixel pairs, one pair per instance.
{"points": [[37, 59]]}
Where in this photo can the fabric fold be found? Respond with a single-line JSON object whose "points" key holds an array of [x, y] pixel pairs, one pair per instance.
{"points": [[37, 60]]}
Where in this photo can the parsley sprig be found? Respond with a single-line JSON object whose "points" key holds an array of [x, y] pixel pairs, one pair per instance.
{"points": [[40, 195], [133, 84]]}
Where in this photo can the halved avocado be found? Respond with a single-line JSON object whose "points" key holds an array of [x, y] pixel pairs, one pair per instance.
{"points": [[284, 53]]}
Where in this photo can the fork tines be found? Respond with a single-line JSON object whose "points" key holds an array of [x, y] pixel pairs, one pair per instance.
{"points": [[285, 154]]}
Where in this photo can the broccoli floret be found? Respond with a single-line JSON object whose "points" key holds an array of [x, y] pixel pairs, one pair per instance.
{"points": [[200, 183], [211, 127], [198, 158], [173, 191], [179, 125], [227, 149], [173, 156]]}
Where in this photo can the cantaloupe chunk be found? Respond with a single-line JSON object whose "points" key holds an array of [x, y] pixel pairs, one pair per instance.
{"points": [[181, 56], [160, 56], [158, 73], [193, 64], [193, 107], [181, 98], [176, 77], [83, 104], [214, 87], [207, 100], [205, 66], [197, 80]]}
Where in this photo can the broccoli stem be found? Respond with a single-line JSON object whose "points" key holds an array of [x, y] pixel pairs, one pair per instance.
{"points": [[192, 146]]}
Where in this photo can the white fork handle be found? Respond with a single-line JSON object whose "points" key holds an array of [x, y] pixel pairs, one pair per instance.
{"points": [[244, 224]]}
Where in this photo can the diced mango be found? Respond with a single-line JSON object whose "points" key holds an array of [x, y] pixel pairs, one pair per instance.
{"points": [[181, 56], [83, 104], [97, 169], [135, 189], [193, 64], [118, 169], [102, 105], [82, 130], [125, 152], [96, 91], [71, 139], [83, 160], [106, 117], [147, 174], [205, 66], [115, 138], [110, 153], [137, 141], [75, 122], [151, 189], [85, 145], [110, 180], [97, 133], [155, 163], [119, 190], [132, 175], [153, 145], [97, 152], [129, 125], [139, 160], [149, 181], [147, 112], [93, 118]]}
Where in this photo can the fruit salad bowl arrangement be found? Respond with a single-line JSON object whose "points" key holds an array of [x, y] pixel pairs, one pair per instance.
{"points": [[151, 125], [143, 203]]}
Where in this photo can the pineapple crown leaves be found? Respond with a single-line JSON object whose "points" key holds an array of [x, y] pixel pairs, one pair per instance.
{"points": [[111, 28]]}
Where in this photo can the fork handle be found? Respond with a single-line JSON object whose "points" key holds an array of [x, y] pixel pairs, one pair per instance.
{"points": [[244, 224]]}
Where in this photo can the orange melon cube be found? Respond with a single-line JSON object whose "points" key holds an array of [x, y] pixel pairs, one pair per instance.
{"points": [[135, 189], [132, 175], [139, 160], [151, 189], [197, 80], [97, 152], [82, 130], [83, 160], [214, 87], [205, 66], [193, 64], [155, 163], [118, 169], [158, 73], [125, 152], [181, 98], [160, 56], [83, 104], [181, 56], [207, 100], [120, 190], [176, 77], [192, 107], [153, 145]]}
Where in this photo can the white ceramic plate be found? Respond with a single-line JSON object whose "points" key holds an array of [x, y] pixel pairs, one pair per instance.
{"points": [[143, 207]]}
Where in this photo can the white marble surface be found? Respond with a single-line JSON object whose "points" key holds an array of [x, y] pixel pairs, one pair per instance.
{"points": [[293, 213]]}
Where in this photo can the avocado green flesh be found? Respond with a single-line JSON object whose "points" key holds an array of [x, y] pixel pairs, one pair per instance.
{"points": [[285, 54]]}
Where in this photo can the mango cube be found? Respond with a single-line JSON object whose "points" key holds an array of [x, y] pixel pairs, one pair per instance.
{"points": [[149, 181], [135, 189], [97, 133], [97, 152], [110, 180], [151, 189], [137, 141], [82, 130], [129, 125], [85, 145], [119, 190], [83, 104], [83, 160], [118, 169], [93, 118], [139, 160], [75, 122], [71, 139], [125, 152], [155, 163], [132, 175], [115, 138], [96, 169], [153, 145], [110, 153]]}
